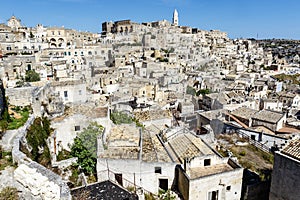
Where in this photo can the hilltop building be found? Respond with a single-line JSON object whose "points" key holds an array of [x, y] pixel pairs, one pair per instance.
{"points": [[175, 18]]}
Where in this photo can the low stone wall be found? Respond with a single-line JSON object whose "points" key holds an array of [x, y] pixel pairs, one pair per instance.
{"points": [[21, 159]]}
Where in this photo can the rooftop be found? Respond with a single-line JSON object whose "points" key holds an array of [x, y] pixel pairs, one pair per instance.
{"points": [[211, 114], [87, 109], [188, 146], [268, 116], [198, 172], [105, 190], [293, 149], [244, 112], [152, 115], [125, 142]]}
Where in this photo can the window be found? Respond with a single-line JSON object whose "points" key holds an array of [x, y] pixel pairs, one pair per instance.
{"points": [[206, 162], [65, 93], [228, 188], [213, 195], [157, 170], [252, 137], [77, 128], [79, 92]]}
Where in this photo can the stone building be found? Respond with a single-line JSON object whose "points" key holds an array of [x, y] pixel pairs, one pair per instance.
{"points": [[203, 173], [286, 173], [270, 119], [70, 91], [134, 158]]}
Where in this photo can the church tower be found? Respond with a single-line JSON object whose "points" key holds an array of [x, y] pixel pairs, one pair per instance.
{"points": [[175, 18]]}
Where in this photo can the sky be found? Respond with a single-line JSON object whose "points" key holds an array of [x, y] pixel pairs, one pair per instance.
{"points": [[259, 19]]}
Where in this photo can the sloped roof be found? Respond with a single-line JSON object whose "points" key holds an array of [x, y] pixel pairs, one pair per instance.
{"points": [[243, 112], [105, 190], [188, 146], [293, 149], [268, 116]]}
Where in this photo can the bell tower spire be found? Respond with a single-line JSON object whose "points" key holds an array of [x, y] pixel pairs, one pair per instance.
{"points": [[175, 18]]}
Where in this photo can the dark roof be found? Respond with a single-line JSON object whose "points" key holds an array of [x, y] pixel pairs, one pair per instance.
{"points": [[293, 149], [106, 190]]}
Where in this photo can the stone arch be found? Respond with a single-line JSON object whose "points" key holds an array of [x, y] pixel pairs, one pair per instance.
{"points": [[52, 40], [61, 40], [53, 45]]}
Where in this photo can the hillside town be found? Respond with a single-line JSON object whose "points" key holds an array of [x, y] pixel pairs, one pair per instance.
{"points": [[152, 110]]}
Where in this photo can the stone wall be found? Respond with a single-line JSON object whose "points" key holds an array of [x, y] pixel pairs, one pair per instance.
{"points": [[285, 178], [228, 185], [135, 171], [21, 159], [20, 96]]}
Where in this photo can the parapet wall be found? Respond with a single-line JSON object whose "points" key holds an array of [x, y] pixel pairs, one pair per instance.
{"points": [[20, 158]]}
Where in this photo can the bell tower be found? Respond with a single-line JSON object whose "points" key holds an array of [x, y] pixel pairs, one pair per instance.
{"points": [[175, 18]]}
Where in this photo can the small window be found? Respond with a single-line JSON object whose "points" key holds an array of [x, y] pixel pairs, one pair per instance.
{"points": [[228, 188], [65, 93], [77, 128], [79, 92], [157, 170], [206, 162]]}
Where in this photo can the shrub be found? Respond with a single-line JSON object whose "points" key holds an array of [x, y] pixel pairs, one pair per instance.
{"points": [[9, 193], [32, 76]]}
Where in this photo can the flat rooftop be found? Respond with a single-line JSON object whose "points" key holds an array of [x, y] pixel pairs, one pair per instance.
{"points": [[152, 115], [125, 142], [198, 172], [87, 109]]}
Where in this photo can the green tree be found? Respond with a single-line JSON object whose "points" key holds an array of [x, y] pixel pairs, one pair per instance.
{"points": [[85, 148], [37, 135], [203, 92], [120, 118], [32, 76], [190, 90]]}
